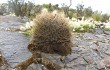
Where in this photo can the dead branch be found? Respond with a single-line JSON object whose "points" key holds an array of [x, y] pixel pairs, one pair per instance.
{"points": [[48, 64], [2, 61], [23, 65], [65, 8], [70, 3], [37, 59]]}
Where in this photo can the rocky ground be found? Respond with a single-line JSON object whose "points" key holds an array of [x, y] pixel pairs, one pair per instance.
{"points": [[91, 51]]}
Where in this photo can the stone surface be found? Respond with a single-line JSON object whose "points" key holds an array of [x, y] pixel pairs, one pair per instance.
{"points": [[89, 52]]}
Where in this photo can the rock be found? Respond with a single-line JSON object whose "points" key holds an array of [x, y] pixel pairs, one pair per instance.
{"points": [[71, 57], [105, 63], [88, 59], [99, 31], [107, 32], [104, 47], [89, 36], [91, 67], [108, 37]]}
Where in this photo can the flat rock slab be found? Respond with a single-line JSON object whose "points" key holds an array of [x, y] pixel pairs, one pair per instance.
{"points": [[89, 52], [14, 47]]}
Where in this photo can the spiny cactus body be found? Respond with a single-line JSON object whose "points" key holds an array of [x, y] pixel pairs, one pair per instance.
{"points": [[51, 34]]}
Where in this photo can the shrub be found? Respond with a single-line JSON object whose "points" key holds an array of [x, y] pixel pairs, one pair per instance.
{"points": [[97, 16], [82, 26], [107, 27], [3, 8], [21, 8]]}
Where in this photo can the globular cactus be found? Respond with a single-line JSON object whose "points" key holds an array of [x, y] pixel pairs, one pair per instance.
{"points": [[51, 34]]}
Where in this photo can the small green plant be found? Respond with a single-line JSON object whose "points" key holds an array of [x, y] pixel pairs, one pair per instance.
{"points": [[107, 27], [87, 26], [97, 16], [82, 26], [27, 32], [78, 29]]}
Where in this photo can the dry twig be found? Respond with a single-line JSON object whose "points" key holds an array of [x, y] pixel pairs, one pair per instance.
{"points": [[37, 59]]}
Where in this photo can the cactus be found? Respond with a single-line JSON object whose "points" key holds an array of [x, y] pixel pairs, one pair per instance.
{"points": [[51, 34]]}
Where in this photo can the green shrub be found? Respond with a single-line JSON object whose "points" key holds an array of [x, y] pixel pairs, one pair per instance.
{"points": [[82, 26], [97, 16], [3, 8], [21, 8], [27, 32], [107, 27]]}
